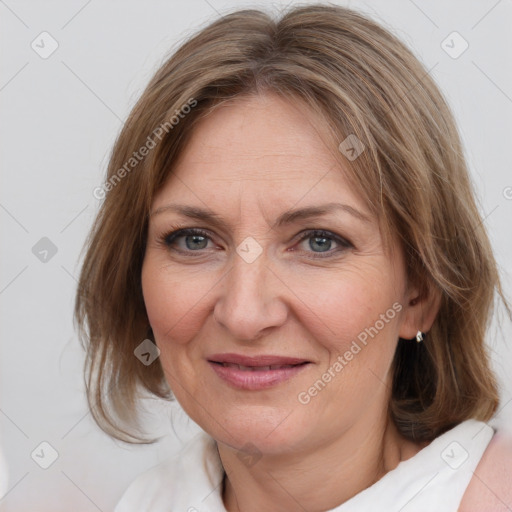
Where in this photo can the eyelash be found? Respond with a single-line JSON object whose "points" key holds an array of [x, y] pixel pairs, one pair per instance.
{"points": [[168, 239]]}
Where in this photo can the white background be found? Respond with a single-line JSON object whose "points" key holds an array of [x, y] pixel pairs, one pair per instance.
{"points": [[59, 119]]}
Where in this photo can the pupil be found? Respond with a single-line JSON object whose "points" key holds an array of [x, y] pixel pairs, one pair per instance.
{"points": [[196, 239], [324, 244]]}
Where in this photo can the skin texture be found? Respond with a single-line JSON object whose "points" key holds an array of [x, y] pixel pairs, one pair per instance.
{"points": [[249, 161], [490, 489]]}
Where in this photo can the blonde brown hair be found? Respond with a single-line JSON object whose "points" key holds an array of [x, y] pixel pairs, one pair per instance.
{"points": [[412, 174]]}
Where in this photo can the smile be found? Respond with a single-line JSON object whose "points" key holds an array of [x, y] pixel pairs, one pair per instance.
{"points": [[255, 373]]}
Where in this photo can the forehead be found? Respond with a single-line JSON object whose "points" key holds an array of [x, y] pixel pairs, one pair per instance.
{"points": [[259, 148]]}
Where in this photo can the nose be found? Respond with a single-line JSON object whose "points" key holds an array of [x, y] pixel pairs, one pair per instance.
{"points": [[251, 300]]}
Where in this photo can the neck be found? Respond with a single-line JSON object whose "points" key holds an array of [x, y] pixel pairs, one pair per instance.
{"points": [[336, 470]]}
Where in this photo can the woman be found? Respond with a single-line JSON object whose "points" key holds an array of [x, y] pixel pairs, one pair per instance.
{"points": [[289, 244]]}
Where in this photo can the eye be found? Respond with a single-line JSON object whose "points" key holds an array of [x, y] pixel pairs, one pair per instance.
{"points": [[186, 240], [321, 242]]}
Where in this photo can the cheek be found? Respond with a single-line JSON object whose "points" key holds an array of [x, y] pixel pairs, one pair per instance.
{"points": [[173, 304], [344, 304], [357, 329], [356, 325]]}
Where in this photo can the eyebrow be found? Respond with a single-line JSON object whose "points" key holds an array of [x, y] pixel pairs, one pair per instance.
{"points": [[288, 217]]}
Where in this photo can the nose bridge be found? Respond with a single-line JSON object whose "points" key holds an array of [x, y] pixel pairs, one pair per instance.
{"points": [[247, 281], [249, 302]]}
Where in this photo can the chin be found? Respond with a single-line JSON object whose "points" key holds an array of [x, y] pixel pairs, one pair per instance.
{"points": [[269, 430]]}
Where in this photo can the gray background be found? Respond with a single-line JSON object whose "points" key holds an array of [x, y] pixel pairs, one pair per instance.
{"points": [[60, 116]]}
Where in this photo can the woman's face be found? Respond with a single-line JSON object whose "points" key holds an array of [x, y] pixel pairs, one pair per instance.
{"points": [[259, 280]]}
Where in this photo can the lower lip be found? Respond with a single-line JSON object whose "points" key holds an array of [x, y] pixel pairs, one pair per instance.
{"points": [[254, 380]]}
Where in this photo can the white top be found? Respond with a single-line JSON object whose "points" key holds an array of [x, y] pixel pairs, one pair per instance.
{"points": [[434, 479]]}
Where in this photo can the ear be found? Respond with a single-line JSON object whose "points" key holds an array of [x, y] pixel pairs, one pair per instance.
{"points": [[421, 307]]}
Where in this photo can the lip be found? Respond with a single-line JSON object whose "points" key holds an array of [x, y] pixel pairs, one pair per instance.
{"points": [[250, 377], [261, 360]]}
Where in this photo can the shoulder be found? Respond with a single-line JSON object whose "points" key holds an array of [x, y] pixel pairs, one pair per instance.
{"points": [[490, 487]]}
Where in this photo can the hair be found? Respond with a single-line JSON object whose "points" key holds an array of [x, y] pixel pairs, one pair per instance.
{"points": [[412, 174]]}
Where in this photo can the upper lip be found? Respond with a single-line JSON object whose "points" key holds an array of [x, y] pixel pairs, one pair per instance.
{"points": [[261, 360]]}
